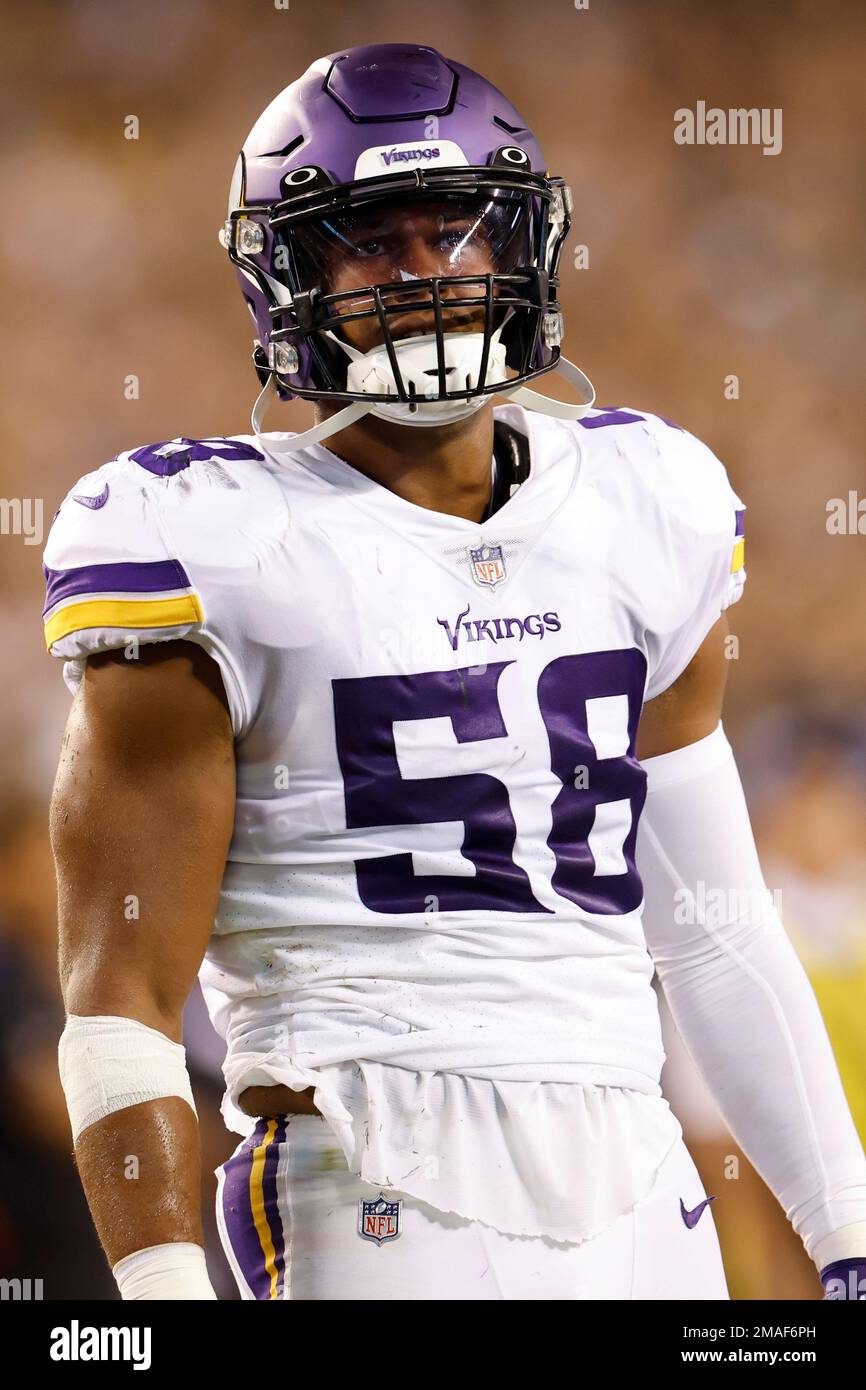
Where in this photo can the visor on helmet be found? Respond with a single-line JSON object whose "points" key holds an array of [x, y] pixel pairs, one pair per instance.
{"points": [[382, 271], [381, 242]]}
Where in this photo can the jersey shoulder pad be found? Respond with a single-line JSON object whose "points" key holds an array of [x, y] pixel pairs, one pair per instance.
{"points": [[157, 545], [687, 483], [680, 530], [108, 571], [174, 456], [693, 485]]}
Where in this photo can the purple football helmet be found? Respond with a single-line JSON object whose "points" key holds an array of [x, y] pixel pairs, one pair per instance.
{"points": [[397, 237]]}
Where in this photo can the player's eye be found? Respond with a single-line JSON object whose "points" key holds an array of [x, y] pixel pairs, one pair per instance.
{"points": [[370, 246], [464, 235], [451, 236]]}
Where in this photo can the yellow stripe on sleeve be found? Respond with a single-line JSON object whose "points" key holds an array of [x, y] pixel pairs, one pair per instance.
{"points": [[123, 613], [739, 556]]}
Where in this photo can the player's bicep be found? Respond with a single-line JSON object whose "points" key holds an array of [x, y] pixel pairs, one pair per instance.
{"points": [[141, 821], [691, 708]]}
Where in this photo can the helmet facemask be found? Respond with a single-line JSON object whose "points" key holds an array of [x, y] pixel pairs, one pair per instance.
{"points": [[412, 300], [421, 294]]}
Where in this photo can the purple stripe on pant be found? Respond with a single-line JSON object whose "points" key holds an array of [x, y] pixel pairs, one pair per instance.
{"points": [[238, 1211], [272, 1207]]}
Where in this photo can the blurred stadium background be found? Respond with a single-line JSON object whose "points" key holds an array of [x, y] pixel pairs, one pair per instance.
{"points": [[703, 262]]}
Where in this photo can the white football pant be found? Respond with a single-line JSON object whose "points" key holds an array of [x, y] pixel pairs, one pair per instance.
{"points": [[291, 1216]]}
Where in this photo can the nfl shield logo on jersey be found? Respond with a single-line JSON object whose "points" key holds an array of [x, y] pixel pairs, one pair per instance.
{"points": [[379, 1220], [488, 564]]}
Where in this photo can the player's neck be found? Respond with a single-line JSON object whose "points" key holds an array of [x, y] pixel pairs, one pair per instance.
{"points": [[446, 468]]}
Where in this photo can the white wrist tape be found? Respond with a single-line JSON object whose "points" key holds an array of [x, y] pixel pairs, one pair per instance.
{"points": [[739, 994], [176, 1271], [109, 1063]]}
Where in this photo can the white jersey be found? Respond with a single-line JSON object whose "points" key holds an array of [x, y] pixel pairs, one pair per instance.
{"points": [[432, 866]]}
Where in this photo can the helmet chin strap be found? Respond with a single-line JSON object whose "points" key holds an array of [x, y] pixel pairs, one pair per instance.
{"points": [[283, 442], [280, 441], [560, 410]]}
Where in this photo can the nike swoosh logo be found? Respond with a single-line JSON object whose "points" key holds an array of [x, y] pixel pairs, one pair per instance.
{"points": [[94, 503], [692, 1218]]}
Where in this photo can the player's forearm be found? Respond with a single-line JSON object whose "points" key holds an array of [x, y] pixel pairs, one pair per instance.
{"points": [[136, 1141], [752, 1025], [141, 1172], [141, 820], [741, 998]]}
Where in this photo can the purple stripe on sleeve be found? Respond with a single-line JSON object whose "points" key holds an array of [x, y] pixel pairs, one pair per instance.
{"points": [[741, 523], [610, 417], [127, 576]]}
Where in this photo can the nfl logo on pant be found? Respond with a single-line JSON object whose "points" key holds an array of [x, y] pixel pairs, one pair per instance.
{"points": [[379, 1220]]}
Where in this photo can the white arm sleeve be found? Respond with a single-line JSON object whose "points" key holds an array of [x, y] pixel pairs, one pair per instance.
{"points": [[741, 998]]}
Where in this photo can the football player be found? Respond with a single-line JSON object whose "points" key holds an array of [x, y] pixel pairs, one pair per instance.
{"points": [[363, 733]]}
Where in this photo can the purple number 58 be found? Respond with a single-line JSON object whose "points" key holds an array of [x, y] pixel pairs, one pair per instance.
{"points": [[590, 704]]}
